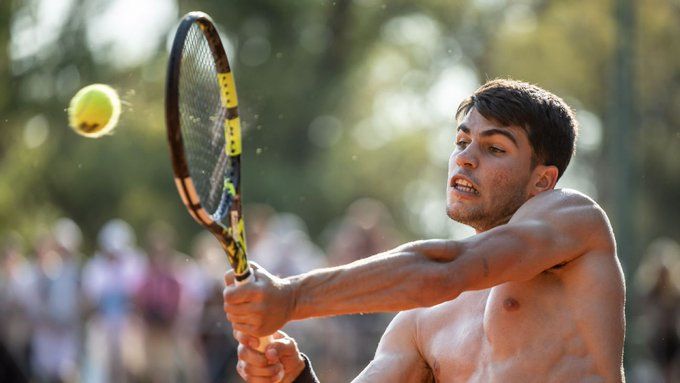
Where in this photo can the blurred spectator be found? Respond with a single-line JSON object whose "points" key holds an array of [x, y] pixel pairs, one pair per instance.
{"points": [[366, 229], [257, 218], [657, 285], [56, 308], [158, 300], [110, 280], [160, 318], [283, 246], [219, 347], [15, 329], [10, 372], [193, 290]]}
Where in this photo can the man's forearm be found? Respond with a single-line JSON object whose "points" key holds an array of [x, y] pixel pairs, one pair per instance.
{"points": [[408, 277]]}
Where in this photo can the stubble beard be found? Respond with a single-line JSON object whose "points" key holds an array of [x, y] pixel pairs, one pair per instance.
{"points": [[484, 217]]}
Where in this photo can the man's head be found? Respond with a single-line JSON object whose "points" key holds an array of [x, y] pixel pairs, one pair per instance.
{"points": [[514, 140]]}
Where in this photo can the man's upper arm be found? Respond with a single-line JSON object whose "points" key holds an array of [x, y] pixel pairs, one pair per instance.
{"points": [[550, 229], [397, 358]]}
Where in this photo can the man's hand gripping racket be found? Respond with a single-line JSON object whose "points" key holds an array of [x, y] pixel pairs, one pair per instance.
{"points": [[204, 134]]}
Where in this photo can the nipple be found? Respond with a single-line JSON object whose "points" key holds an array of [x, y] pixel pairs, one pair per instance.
{"points": [[511, 304]]}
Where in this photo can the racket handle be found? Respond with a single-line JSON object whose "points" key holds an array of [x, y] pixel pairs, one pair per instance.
{"points": [[265, 340], [248, 279]]}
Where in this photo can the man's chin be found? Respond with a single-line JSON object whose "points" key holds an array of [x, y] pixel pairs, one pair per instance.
{"points": [[463, 214], [456, 213]]}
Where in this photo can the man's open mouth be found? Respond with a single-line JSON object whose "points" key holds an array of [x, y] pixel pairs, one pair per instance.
{"points": [[464, 185]]}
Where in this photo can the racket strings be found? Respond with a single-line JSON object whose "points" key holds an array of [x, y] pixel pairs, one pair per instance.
{"points": [[202, 118]]}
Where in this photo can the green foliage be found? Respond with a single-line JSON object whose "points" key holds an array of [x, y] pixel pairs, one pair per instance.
{"points": [[296, 62]]}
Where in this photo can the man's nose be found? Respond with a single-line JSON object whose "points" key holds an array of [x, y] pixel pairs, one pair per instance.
{"points": [[467, 158]]}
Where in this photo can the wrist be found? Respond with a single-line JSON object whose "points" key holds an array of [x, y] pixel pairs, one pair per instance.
{"points": [[294, 298]]}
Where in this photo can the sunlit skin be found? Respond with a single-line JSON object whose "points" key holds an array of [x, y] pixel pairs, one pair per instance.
{"points": [[497, 161], [537, 295]]}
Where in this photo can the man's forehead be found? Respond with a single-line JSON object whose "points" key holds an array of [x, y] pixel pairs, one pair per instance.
{"points": [[475, 122]]}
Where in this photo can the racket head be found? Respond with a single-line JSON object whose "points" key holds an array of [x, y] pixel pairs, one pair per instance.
{"points": [[204, 134]]}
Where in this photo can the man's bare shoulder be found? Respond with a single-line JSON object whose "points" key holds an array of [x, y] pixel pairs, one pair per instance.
{"points": [[572, 217], [567, 208], [556, 200]]}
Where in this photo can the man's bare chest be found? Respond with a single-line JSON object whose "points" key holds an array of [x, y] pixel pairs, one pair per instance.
{"points": [[481, 330]]}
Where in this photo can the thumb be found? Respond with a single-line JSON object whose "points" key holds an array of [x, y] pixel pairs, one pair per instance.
{"points": [[260, 271], [272, 354], [229, 278], [280, 335], [254, 265]]}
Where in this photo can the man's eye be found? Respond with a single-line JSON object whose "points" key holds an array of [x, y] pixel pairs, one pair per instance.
{"points": [[496, 150], [461, 144]]}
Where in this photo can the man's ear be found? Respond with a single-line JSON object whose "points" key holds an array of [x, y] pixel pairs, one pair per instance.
{"points": [[544, 178]]}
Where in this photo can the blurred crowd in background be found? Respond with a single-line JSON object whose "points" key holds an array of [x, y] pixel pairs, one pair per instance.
{"points": [[139, 310], [339, 99]]}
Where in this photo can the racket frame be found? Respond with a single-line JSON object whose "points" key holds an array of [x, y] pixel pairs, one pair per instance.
{"points": [[235, 249]]}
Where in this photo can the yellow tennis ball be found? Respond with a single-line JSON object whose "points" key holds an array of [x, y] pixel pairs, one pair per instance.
{"points": [[94, 110]]}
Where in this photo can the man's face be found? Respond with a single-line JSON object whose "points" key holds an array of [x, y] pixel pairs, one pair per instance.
{"points": [[489, 172]]}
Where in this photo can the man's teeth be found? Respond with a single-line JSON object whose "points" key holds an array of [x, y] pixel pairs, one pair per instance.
{"points": [[464, 183], [465, 186]]}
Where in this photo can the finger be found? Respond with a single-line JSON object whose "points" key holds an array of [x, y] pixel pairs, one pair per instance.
{"points": [[229, 278], [243, 319], [245, 339], [242, 337], [233, 294], [259, 272], [251, 357], [242, 369], [255, 265], [281, 349], [279, 377], [282, 346], [270, 371], [246, 328], [271, 355], [239, 369], [246, 308]]}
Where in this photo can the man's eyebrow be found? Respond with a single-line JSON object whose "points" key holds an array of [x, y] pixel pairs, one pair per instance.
{"points": [[504, 132], [490, 132]]}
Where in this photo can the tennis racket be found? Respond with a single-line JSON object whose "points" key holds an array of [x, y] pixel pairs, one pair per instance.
{"points": [[204, 134]]}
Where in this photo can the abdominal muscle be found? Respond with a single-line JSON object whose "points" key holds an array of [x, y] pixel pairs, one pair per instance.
{"points": [[514, 332]]}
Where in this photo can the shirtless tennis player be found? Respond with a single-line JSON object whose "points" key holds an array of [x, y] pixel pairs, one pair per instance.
{"points": [[537, 295]]}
